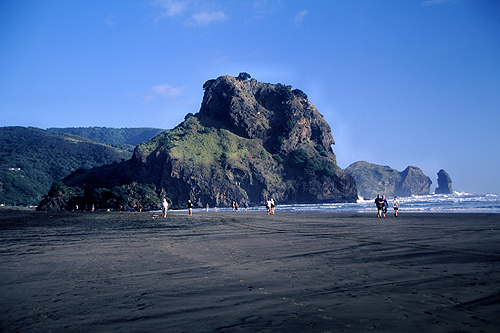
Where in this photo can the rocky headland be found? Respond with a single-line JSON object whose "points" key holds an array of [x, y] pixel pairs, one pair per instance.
{"points": [[372, 179], [250, 141]]}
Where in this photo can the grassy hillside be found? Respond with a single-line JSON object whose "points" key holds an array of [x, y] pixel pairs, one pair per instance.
{"points": [[192, 142], [31, 159]]}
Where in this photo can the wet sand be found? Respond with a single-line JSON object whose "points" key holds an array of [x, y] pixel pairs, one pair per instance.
{"points": [[247, 272]]}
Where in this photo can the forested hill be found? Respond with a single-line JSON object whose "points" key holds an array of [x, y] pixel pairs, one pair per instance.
{"points": [[123, 138], [31, 159]]}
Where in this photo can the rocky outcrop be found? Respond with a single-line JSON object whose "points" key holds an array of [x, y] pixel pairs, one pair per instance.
{"points": [[444, 183], [282, 118], [372, 179], [413, 182], [249, 141]]}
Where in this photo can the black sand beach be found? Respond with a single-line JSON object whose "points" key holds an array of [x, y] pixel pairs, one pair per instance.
{"points": [[246, 272]]}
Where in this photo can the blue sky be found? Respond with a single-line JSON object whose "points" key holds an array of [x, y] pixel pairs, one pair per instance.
{"points": [[401, 83]]}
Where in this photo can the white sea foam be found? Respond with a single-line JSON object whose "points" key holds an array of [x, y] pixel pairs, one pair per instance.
{"points": [[458, 202]]}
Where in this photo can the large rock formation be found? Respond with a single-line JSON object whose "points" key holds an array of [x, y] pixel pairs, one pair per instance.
{"points": [[444, 183], [372, 179], [249, 141]]}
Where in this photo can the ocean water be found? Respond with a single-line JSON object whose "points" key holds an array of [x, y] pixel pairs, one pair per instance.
{"points": [[458, 202]]}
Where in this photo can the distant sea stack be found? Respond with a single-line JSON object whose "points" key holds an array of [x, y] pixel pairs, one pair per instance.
{"points": [[372, 179], [250, 141], [444, 183]]}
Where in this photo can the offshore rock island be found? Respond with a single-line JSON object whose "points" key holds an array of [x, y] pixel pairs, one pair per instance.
{"points": [[250, 141], [372, 179], [444, 183]]}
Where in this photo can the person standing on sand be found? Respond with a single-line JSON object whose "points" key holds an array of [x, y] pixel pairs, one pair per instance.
{"points": [[164, 207], [272, 206], [268, 206], [386, 205], [190, 207], [395, 205], [245, 205], [380, 205]]}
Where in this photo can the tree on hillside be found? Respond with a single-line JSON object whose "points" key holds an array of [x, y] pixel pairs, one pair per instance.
{"points": [[244, 76]]}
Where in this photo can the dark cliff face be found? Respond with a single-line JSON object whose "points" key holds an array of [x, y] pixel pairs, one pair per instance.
{"points": [[274, 114], [249, 142], [373, 179]]}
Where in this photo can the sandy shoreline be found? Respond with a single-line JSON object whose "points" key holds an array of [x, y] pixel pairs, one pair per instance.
{"points": [[246, 272]]}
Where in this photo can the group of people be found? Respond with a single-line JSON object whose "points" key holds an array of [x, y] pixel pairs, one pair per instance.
{"points": [[135, 208], [380, 202], [235, 206], [164, 207], [270, 206], [383, 205]]}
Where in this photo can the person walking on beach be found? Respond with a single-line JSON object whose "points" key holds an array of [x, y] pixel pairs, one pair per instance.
{"points": [[164, 207], [268, 206], [386, 205], [395, 205], [380, 205], [245, 205], [272, 206], [190, 207]]}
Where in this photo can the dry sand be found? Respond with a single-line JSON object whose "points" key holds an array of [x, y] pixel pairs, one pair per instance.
{"points": [[247, 272]]}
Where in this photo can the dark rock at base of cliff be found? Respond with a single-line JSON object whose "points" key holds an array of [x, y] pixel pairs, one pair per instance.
{"points": [[372, 179], [444, 183]]}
